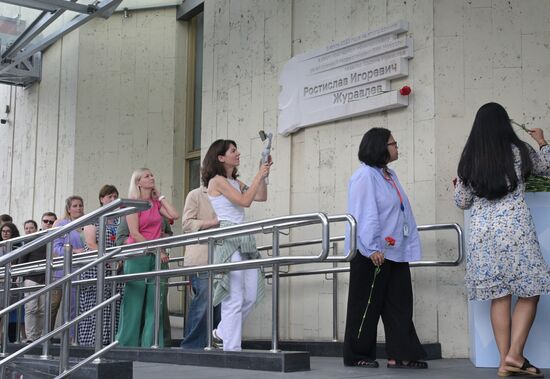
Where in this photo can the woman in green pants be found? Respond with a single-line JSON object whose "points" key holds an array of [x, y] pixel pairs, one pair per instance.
{"points": [[137, 317]]}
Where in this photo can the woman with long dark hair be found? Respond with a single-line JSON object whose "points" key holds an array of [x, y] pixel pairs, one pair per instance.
{"points": [[237, 291], [504, 256], [380, 278], [8, 231]]}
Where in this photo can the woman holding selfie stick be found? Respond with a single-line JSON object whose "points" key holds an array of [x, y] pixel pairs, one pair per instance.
{"points": [[237, 291]]}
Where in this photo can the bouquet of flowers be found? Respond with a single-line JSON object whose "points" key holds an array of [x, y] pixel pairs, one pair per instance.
{"points": [[534, 183]]}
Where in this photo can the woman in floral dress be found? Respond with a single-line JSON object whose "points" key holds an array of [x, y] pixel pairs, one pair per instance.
{"points": [[504, 256]]}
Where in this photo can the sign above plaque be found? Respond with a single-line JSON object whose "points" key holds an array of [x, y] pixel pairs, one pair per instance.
{"points": [[345, 79]]}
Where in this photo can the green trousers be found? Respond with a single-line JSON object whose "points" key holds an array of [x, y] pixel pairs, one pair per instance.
{"points": [[137, 312]]}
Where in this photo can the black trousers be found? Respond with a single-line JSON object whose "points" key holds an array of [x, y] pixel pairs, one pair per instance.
{"points": [[392, 299]]}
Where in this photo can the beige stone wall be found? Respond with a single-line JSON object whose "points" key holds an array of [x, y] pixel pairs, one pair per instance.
{"points": [[126, 101], [106, 105], [37, 143], [245, 46], [466, 53], [312, 167], [113, 98]]}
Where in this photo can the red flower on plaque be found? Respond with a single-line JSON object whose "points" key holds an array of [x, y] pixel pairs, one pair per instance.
{"points": [[390, 241], [113, 237], [405, 91]]}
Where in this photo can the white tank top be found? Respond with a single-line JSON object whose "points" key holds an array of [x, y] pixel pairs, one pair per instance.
{"points": [[225, 209]]}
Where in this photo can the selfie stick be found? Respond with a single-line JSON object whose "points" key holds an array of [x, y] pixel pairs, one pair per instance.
{"points": [[266, 139]]}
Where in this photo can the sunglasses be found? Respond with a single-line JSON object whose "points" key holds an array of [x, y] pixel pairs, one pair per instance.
{"points": [[50, 222]]}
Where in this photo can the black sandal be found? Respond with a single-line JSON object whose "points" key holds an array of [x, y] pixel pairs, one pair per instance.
{"points": [[410, 364], [524, 370], [366, 363]]}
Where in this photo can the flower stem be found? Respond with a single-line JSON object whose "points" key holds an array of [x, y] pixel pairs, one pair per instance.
{"points": [[376, 272], [520, 125]]}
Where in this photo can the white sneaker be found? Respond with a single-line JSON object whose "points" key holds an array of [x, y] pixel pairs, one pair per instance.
{"points": [[217, 342]]}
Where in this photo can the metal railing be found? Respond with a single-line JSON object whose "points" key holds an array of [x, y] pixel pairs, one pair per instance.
{"points": [[338, 270], [272, 226], [47, 238]]}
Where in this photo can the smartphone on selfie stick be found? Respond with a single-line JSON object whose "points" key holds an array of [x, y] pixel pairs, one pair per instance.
{"points": [[266, 139]]}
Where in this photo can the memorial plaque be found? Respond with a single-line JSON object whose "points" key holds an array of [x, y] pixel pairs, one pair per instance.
{"points": [[345, 79]]}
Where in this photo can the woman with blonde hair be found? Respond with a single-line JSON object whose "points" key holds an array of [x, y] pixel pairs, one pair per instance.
{"points": [[136, 327], [74, 208]]}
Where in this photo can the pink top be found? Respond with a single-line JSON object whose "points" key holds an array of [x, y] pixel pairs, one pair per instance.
{"points": [[150, 222]]}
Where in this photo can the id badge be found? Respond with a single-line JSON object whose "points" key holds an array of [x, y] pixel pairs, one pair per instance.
{"points": [[405, 230]]}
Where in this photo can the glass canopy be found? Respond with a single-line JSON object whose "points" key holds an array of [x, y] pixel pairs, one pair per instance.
{"points": [[28, 27], [14, 20]]}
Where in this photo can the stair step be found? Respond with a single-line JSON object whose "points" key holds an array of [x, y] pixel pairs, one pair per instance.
{"points": [[332, 349], [34, 367], [262, 360]]}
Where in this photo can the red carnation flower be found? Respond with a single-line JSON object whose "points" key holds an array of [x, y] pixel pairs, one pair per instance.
{"points": [[113, 237], [390, 241], [405, 91], [171, 221]]}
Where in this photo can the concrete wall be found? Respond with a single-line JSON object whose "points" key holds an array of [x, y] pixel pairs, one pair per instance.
{"points": [[105, 106], [113, 98], [37, 143], [466, 54], [126, 101]]}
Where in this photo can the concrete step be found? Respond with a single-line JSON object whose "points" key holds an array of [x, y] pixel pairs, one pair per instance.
{"points": [[332, 349], [295, 355], [34, 367], [262, 360]]}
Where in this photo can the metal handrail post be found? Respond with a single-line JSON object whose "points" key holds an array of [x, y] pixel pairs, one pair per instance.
{"points": [[77, 306], [275, 295], [66, 307], [94, 357], [48, 301], [335, 296], [60, 282], [56, 331], [100, 285], [19, 316], [460, 242], [7, 286], [156, 341], [209, 309], [113, 305]]}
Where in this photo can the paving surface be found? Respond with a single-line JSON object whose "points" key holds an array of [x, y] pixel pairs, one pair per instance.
{"points": [[321, 368]]}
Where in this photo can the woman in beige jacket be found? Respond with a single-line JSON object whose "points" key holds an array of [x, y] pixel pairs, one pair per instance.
{"points": [[198, 215]]}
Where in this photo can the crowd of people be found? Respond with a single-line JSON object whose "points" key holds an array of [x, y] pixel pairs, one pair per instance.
{"points": [[212, 205], [504, 257], [34, 309], [136, 329]]}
